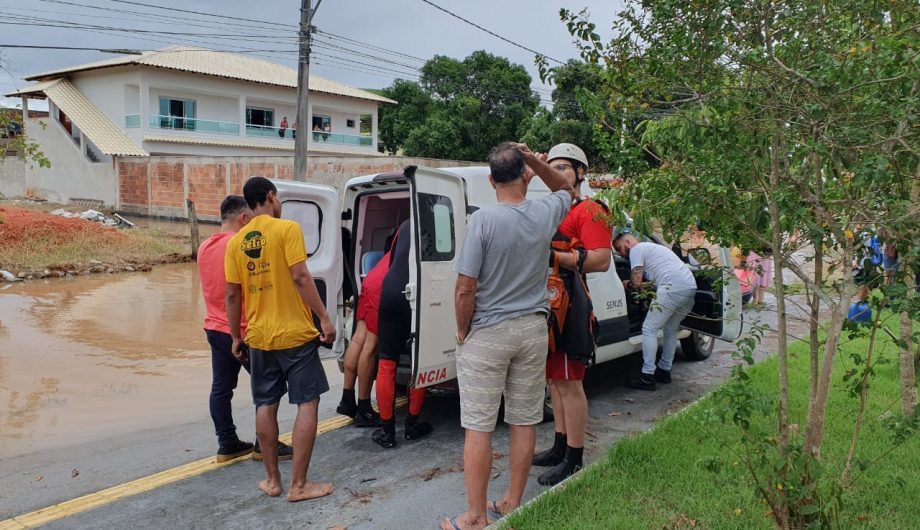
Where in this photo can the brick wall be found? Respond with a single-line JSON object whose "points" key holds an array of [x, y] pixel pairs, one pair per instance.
{"points": [[158, 186]]}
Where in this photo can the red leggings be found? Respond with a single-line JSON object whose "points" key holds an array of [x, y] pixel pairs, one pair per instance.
{"points": [[386, 391]]}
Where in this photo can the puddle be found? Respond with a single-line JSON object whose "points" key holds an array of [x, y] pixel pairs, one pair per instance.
{"points": [[94, 356]]}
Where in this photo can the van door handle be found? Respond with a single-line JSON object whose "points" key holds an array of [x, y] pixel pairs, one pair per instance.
{"points": [[409, 292]]}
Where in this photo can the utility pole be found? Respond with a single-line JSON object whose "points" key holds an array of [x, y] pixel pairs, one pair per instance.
{"points": [[303, 89]]}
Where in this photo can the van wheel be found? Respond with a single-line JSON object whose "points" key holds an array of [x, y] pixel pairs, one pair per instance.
{"points": [[697, 347], [547, 406]]}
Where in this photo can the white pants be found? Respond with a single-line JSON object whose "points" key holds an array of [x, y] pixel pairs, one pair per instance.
{"points": [[665, 313]]}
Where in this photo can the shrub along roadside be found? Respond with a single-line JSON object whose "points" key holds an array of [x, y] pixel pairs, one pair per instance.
{"points": [[666, 478]]}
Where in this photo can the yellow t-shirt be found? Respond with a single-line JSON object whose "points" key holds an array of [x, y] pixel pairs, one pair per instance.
{"points": [[259, 258]]}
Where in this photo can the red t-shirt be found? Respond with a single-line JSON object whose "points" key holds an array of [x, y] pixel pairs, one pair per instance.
{"points": [[587, 222], [214, 283], [373, 282]]}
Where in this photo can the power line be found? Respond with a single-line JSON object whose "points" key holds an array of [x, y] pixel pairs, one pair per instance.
{"points": [[475, 25], [103, 50], [173, 9]]}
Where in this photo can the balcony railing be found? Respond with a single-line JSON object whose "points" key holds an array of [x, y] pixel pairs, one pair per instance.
{"points": [[320, 138], [194, 124], [264, 131], [132, 121]]}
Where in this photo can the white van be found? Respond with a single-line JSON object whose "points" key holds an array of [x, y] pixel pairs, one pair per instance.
{"points": [[345, 239]]}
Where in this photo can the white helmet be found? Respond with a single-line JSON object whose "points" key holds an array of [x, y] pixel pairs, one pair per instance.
{"points": [[570, 151]]}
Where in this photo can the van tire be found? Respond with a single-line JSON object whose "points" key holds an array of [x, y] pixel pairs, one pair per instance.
{"points": [[697, 347]]}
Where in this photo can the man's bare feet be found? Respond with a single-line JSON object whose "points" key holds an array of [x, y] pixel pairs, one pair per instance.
{"points": [[270, 487], [309, 490], [465, 522]]}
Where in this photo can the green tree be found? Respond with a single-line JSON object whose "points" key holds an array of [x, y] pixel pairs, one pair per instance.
{"points": [[575, 82], [486, 99], [767, 118], [398, 121]]}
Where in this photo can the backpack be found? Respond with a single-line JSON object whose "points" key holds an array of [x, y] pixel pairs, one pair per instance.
{"points": [[572, 324]]}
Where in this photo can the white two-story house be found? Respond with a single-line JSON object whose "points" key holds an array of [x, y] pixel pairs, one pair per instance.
{"points": [[191, 101]]}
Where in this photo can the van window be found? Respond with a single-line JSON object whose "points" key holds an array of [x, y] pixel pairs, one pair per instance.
{"points": [[310, 219], [436, 223]]}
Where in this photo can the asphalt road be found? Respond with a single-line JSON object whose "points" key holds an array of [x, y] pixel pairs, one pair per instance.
{"points": [[411, 486]]}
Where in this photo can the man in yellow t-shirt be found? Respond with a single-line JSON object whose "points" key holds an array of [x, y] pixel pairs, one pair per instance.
{"points": [[266, 266]]}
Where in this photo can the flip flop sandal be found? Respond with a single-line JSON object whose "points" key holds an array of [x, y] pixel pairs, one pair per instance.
{"points": [[452, 521], [493, 509]]}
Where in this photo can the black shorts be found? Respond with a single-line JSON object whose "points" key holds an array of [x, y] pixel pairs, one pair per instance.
{"points": [[297, 371]]}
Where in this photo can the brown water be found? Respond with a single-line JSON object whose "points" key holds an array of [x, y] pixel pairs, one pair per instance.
{"points": [[90, 357], [93, 355]]}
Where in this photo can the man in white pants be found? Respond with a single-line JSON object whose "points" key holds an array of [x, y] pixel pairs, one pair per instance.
{"points": [[676, 290]]}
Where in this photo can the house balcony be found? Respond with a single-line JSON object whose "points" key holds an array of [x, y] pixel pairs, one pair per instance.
{"points": [[320, 138], [249, 130], [180, 123], [264, 131]]}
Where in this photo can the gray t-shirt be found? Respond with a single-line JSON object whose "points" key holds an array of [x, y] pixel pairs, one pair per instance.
{"points": [[506, 249], [662, 266]]}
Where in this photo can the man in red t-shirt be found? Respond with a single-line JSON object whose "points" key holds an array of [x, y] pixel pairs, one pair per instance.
{"points": [[225, 369], [587, 221]]}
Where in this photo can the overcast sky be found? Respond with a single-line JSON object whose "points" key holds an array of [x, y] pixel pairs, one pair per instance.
{"points": [[410, 27]]}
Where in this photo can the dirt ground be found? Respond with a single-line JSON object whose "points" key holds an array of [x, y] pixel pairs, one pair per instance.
{"points": [[37, 244]]}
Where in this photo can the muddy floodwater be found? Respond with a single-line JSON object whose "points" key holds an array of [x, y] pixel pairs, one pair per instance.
{"points": [[96, 355]]}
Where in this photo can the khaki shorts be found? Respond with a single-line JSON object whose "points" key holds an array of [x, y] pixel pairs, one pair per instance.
{"points": [[508, 358]]}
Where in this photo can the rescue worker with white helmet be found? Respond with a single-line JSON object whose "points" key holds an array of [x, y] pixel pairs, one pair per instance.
{"points": [[586, 222]]}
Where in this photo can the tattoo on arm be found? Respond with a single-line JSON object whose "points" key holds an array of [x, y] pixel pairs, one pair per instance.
{"points": [[636, 277]]}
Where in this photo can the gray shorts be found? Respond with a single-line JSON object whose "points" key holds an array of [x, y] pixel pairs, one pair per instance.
{"points": [[508, 358], [297, 371]]}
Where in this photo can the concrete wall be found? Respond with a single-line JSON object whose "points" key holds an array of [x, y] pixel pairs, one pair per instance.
{"points": [[12, 176], [107, 90], [158, 186], [71, 175]]}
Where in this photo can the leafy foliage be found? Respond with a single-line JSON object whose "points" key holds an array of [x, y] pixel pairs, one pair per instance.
{"points": [[459, 109], [759, 119]]}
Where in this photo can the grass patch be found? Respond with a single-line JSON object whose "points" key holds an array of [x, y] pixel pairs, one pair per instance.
{"points": [[132, 246], [35, 240], [658, 479]]}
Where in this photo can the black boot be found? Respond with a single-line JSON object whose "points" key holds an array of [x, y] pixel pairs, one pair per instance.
{"points": [[565, 469], [347, 405], [416, 429], [366, 416], [385, 436], [662, 376], [642, 382], [553, 455]]}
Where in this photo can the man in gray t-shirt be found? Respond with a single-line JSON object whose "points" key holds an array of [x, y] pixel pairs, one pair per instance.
{"points": [[501, 310], [676, 293]]}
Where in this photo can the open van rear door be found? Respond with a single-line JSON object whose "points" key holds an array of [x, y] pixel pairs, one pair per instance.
{"points": [[438, 225], [316, 209], [717, 310]]}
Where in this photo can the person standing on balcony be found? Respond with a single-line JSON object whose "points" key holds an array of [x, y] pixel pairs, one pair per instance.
{"points": [[283, 127]]}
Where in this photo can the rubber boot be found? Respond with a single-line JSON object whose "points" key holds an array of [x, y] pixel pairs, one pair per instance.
{"points": [[385, 436], [565, 469], [553, 455], [366, 416], [415, 429]]}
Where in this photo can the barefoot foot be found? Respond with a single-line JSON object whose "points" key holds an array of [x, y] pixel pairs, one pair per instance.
{"points": [[270, 487], [309, 490]]}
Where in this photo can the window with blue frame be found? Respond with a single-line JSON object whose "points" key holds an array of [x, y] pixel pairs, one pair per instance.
{"points": [[177, 113]]}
